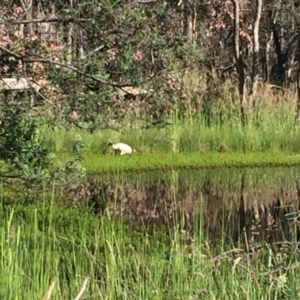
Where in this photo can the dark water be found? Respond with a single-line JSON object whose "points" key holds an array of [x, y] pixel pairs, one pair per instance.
{"points": [[249, 204]]}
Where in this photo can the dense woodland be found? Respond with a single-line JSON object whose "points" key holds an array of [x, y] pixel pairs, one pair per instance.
{"points": [[89, 60], [94, 64]]}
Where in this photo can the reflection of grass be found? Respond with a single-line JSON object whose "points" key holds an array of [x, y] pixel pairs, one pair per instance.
{"points": [[96, 163], [273, 131], [43, 246], [225, 179]]}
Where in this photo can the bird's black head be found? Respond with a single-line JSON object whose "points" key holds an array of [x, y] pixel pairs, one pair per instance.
{"points": [[110, 143]]}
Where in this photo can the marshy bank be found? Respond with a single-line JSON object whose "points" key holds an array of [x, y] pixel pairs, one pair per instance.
{"points": [[207, 234], [271, 138], [139, 162]]}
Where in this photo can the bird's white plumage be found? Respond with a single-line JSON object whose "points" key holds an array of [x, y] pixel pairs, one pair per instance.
{"points": [[121, 148]]}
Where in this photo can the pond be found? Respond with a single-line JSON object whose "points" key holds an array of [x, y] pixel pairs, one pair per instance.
{"points": [[262, 203], [210, 234]]}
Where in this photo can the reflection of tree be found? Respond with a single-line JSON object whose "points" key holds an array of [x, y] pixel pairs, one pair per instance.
{"points": [[235, 213]]}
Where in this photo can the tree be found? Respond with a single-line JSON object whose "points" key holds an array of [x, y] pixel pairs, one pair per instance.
{"points": [[255, 60], [69, 59], [239, 61], [240, 65]]}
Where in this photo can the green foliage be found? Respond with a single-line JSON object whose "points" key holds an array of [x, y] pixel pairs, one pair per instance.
{"points": [[71, 171], [135, 43], [23, 152], [98, 48], [19, 148], [134, 46]]}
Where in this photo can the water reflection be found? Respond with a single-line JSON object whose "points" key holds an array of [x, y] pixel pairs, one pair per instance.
{"points": [[248, 205]]}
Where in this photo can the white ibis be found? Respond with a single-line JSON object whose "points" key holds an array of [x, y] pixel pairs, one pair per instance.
{"points": [[121, 148]]}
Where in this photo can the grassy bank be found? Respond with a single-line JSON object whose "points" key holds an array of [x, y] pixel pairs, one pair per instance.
{"points": [[270, 139], [95, 163], [45, 248]]}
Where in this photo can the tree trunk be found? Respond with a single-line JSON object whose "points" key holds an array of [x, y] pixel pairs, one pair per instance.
{"points": [[279, 71], [239, 62], [255, 61], [27, 7], [189, 20], [297, 117], [273, 15]]}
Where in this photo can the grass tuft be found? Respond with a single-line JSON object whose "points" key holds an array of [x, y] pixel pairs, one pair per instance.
{"points": [[62, 254]]}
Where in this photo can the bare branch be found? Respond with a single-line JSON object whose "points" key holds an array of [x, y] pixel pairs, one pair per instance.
{"points": [[236, 30], [145, 1], [9, 84], [46, 20], [16, 55], [36, 88], [26, 58], [70, 67]]}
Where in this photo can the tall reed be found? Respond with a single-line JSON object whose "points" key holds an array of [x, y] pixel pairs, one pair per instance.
{"points": [[269, 131], [53, 253]]}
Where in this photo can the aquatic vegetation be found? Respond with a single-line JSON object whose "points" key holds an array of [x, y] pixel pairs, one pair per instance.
{"points": [[59, 252], [96, 163]]}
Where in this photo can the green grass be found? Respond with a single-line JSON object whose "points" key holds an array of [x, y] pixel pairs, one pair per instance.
{"points": [[44, 244], [272, 131], [272, 139], [164, 161]]}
